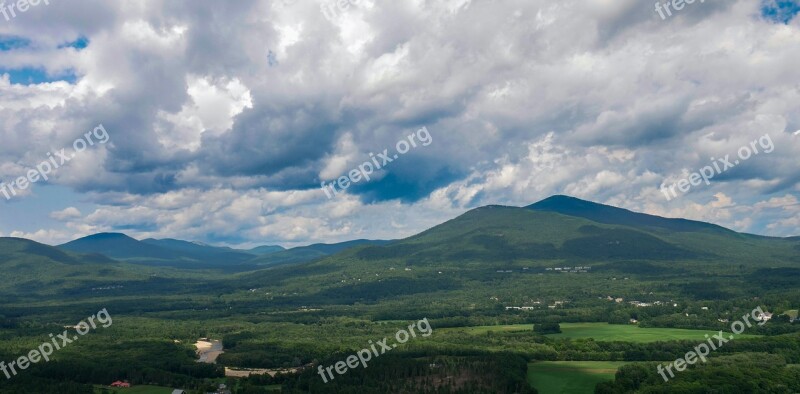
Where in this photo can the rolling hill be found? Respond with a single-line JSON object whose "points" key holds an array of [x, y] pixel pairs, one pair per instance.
{"points": [[488, 239], [164, 252], [201, 252], [567, 228], [499, 247], [265, 249], [192, 255], [307, 253], [33, 268], [119, 246], [497, 234], [600, 213]]}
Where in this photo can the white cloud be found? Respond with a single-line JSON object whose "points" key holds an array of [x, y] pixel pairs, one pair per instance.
{"points": [[599, 99], [66, 213]]}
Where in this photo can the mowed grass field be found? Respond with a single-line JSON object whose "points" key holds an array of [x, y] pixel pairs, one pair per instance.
{"points": [[633, 333], [570, 377], [484, 329], [607, 332]]}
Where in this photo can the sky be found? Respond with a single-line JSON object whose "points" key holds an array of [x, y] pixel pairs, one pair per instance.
{"points": [[218, 121]]}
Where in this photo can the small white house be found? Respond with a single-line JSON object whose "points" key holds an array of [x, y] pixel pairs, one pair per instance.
{"points": [[766, 316]]}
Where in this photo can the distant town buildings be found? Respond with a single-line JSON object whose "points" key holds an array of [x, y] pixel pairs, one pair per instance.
{"points": [[107, 288], [576, 269], [520, 308]]}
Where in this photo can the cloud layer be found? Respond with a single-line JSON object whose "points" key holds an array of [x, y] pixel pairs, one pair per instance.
{"points": [[225, 117]]}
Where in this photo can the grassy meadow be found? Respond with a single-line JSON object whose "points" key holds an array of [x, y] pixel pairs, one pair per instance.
{"points": [[632, 333], [568, 377], [604, 332]]}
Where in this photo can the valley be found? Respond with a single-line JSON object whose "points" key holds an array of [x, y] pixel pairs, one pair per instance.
{"points": [[656, 288]]}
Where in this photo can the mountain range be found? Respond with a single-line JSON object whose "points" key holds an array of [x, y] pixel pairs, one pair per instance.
{"points": [[185, 254], [559, 229], [563, 227]]}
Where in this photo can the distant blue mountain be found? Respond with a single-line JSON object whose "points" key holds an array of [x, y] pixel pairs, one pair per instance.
{"points": [[119, 246], [311, 252], [185, 254], [265, 249]]}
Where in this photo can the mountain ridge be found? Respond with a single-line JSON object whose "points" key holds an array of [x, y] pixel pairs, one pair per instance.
{"points": [[557, 227], [607, 214], [187, 254], [311, 252]]}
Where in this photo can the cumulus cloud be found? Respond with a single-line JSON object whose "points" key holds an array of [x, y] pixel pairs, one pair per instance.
{"points": [[225, 117], [66, 213]]}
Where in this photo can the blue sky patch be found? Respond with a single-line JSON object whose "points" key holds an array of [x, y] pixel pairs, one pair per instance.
{"points": [[32, 212], [32, 76], [9, 43], [80, 43], [780, 11]]}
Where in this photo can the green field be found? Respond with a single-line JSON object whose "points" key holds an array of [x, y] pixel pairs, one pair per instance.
{"points": [[607, 332], [570, 377], [484, 329], [632, 333], [142, 389]]}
